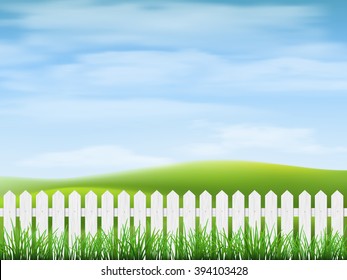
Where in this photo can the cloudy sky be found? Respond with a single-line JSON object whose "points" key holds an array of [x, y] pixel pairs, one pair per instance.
{"points": [[89, 87]]}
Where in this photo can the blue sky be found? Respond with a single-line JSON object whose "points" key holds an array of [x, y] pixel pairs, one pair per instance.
{"points": [[89, 87]]}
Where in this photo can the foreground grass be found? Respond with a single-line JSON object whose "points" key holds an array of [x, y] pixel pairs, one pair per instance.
{"points": [[133, 245]]}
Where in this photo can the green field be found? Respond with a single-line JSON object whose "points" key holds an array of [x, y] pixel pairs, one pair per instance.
{"points": [[212, 176]]}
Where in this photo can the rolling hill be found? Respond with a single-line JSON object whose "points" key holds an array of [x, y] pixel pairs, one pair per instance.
{"points": [[212, 176]]}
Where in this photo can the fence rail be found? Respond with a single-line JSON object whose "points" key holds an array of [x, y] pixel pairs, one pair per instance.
{"points": [[226, 207]]}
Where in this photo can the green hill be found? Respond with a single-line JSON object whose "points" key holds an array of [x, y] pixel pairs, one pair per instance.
{"points": [[212, 176]]}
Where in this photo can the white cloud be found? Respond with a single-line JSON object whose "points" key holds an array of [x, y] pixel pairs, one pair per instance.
{"points": [[65, 25], [105, 157], [244, 140], [151, 74], [116, 110], [14, 55]]}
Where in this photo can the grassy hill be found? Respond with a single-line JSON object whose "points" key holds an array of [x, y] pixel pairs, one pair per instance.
{"points": [[213, 176]]}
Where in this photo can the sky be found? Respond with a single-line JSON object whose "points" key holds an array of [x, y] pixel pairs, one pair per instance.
{"points": [[90, 87]]}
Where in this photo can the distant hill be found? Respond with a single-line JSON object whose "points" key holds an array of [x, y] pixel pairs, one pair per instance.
{"points": [[212, 176]]}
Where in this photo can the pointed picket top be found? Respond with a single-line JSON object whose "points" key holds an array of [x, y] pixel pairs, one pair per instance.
{"points": [[287, 199], [238, 194], [287, 194], [271, 194], [139, 195], [91, 200], [41, 202], [337, 194], [74, 195], [9, 196], [172, 195], [91, 194], [58, 199], [304, 194], [220, 195], [41, 195], [123, 195], [205, 195], [25, 195], [107, 194], [321, 195], [305, 197], [337, 197], [254, 195], [188, 195], [157, 199], [107, 198], [270, 201], [156, 195], [58, 195]]}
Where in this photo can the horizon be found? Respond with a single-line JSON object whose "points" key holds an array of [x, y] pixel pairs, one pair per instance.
{"points": [[94, 87], [170, 166]]}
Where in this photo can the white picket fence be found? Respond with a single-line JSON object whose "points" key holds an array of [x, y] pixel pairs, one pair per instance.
{"points": [[224, 209]]}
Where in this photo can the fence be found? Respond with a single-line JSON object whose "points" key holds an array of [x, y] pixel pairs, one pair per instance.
{"points": [[222, 211]]}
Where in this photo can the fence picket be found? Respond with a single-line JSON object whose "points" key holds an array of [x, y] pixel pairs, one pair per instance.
{"points": [[140, 212], [189, 212], [254, 202], [91, 214], [337, 213], [238, 220], [42, 213], [287, 213], [74, 217], [271, 213], [305, 216], [320, 213], [107, 212], [173, 213], [58, 213], [9, 212], [206, 212], [222, 215], [25, 210], [157, 212], [123, 212]]}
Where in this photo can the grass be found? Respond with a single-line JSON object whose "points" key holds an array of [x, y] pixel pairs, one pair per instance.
{"points": [[212, 176], [133, 245]]}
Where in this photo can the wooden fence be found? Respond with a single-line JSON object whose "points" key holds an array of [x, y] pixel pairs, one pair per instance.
{"points": [[225, 207]]}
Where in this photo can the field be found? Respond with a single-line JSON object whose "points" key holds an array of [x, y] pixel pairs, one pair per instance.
{"points": [[212, 176]]}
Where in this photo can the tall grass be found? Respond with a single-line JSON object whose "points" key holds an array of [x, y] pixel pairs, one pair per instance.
{"points": [[136, 245]]}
